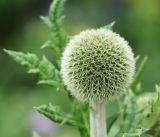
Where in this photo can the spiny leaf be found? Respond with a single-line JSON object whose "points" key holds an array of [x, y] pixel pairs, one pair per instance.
{"points": [[81, 111], [110, 26], [136, 133], [46, 71], [129, 112], [139, 73], [55, 114], [54, 23], [47, 44], [133, 117], [51, 45], [145, 120], [56, 9], [154, 113]]}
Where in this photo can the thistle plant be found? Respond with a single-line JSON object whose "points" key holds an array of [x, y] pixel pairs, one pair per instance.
{"points": [[97, 65], [93, 67]]}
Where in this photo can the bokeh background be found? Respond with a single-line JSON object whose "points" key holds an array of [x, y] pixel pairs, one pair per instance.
{"points": [[21, 29]]}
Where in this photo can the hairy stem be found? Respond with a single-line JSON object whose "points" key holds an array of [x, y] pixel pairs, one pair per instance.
{"points": [[98, 120]]}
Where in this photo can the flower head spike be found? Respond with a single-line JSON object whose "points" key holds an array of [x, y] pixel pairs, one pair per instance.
{"points": [[97, 65]]}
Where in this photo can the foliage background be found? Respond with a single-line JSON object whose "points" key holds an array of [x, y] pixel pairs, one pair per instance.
{"points": [[21, 29]]}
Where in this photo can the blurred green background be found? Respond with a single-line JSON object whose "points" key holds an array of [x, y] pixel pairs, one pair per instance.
{"points": [[21, 29]]}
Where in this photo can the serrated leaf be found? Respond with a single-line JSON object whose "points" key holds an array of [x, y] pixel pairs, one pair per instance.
{"points": [[51, 45], [55, 114], [45, 70], [56, 9], [110, 26], [154, 113], [131, 118], [81, 111], [47, 21], [47, 82], [136, 133], [138, 73], [48, 44], [129, 112], [54, 23], [145, 120]]}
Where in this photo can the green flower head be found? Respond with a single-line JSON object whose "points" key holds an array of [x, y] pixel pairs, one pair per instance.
{"points": [[97, 65]]}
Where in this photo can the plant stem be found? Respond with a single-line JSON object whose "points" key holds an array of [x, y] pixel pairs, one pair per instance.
{"points": [[98, 120]]}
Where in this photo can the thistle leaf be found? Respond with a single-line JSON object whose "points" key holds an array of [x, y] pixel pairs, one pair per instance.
{"points": [[51, 45], [109, 26], [56, 9], [137, 133], [153, 115], [45, 70], [81, 112], [47, 44], [54, 23], [55, 114], [139, 73]]}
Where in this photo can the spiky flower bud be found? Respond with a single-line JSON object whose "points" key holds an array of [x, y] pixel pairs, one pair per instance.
{"points": [[97, 65]]}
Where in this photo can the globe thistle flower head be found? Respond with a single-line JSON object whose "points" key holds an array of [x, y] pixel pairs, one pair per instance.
{"points": [[97, 65]]}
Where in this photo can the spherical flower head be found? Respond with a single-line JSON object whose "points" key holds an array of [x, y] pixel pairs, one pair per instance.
{"points": [[97, 65]]}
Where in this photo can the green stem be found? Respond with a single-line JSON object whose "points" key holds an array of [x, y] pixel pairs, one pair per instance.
{"points": [[98, 120]]}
